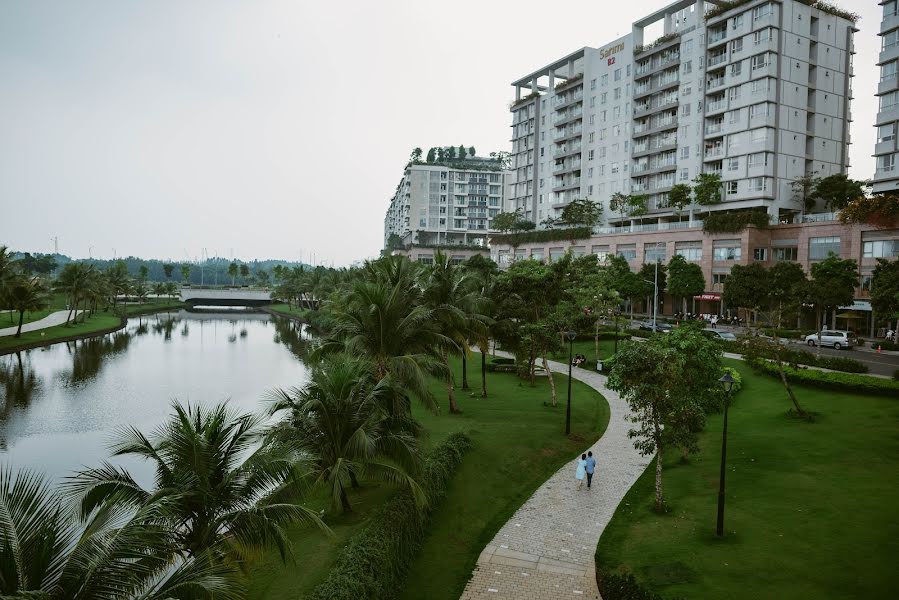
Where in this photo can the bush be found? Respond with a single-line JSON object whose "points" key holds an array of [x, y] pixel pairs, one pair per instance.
{"points": [[501, 364], [885, 345], [795, 356], [623, 587], [791, 334], [374, 562], [733, 222], [542, 235], [832, 381], [896, 375]]}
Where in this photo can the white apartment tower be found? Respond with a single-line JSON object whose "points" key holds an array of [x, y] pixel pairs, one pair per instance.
{"points": [[758, 93], [886, 176], [451, 203]]}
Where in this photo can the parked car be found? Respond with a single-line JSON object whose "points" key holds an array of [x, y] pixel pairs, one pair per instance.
{"points": [[831, 337], [720, 335], [660, 327]]}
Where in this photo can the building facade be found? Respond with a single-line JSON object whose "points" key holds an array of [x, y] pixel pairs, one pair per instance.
{"points": [[886, 176], [451, 204], [758, 94]]}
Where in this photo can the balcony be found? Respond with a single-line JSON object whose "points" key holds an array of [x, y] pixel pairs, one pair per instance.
{"points": [[717, 60], [716, 106], [717, 35], [565, 150], [714, 128], [714, 83], [714, 152]]}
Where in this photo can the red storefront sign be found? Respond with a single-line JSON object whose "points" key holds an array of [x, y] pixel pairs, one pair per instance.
{"points": [[709, 297]]}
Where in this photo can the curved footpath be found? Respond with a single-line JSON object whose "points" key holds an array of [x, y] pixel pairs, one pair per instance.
{"points": [[51, 320], [545, 551]]}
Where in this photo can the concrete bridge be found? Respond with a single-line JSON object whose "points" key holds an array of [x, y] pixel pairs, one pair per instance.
{"points": [[225, 297]]}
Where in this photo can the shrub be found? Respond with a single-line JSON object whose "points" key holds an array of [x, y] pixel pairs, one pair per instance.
{"points": [[795, 356], [896, 375], [845, 382], [791, 334], [733, 222], [541, 235], [885, 345], [375, 561], [613, 586]]}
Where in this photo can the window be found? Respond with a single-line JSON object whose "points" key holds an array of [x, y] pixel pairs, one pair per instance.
{"points": [[616, 93], [684, 174], [724, 252], [590, 155], [601, 252], [886, 164], [758, 159], [719, 278], [616, 113], [890, 39], [654, 252], [590, 136], [866, 282], [762, 109], [689, 250], [602, 96], [593, 84], [889, 9], [760, 85], [886, 133], [820, 247], [736, 69], [685, 110], [890, 99], [762, 35], [688, 67], [759, 135], [736, 46], [733, 164], [731, 187], [762, 11], [888, 71], [626, 251], [760, 254], [880, 249], [734, 116], [790, 253], [615, 167], [685, 152], [734, 93], [758, 184], [592, 101], [617, 74], [759, 62], [616, 130], [736, 22]]}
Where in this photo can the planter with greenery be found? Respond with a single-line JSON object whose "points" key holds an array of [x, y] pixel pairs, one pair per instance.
{"points": [[734, 222], [543, 235], [862, 384]]}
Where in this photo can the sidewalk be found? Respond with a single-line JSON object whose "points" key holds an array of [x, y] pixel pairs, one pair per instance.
{"points": [[51, 320], [545, 551]]}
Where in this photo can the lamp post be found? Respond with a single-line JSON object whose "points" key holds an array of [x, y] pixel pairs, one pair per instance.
{"points": [[727, 382], [570, 335], [655, 295]]}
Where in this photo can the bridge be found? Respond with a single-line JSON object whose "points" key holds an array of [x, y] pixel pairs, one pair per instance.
{"points": [[225, 297]]}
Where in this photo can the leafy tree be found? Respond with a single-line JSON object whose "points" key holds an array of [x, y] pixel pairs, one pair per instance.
{"points": [[758, 348], [262, 277], [511, 222], [341, 421], [441, 155], [233, 270], [628, 284], [219, 487], [879, 210], [679, 197], [168, 269], [885, 289], [185, 273], [143, 272], [747, 287], [620, 203], [837, 191], [707, 188], [471, 152], [432, 155], [786, 289], [647, 281], [581, 212], [832, 285], [26, 294], [685, 279], [74, 281], [416, 155], [449, 153], [244, 272], [804, 190], [462, 152]]}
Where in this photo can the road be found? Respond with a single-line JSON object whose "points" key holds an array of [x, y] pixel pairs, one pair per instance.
{"points": [[879, 364]]}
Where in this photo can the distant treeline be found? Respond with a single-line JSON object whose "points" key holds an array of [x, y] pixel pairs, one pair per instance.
{"points": [[208, 271]]}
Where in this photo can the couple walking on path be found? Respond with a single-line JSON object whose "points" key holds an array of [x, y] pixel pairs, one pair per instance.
{"points": [[586, 465]]}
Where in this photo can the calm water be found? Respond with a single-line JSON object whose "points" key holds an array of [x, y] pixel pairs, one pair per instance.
{"points": [[61, 405]]}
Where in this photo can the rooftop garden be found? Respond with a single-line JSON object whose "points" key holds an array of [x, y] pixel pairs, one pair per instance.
{"points": [[659, 42], [727, 5]]}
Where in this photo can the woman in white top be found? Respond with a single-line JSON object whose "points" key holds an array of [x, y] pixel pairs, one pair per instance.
{"points": [[581, 472]]}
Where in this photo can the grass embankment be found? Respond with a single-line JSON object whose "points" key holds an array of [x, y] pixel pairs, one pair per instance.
{"points": [[100, 321], [518, 444], [11, 318], [809, 506], [288, 311]]}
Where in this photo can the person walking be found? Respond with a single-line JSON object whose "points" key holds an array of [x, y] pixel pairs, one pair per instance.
{"points": [[590, 467], [581, 471]]}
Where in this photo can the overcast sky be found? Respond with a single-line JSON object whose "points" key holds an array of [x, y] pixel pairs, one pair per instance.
{"points": [[266, 129]]}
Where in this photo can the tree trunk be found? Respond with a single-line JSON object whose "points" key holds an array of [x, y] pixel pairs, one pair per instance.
{"points": [[354, 481], [483, 373], [549, 375], [345, 501], [21, 318], [786, 383], [450, 388], [464, 371], [659, 502], [596, 339], [69, 316]]}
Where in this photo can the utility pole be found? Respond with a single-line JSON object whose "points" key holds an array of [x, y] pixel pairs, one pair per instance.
{"points": [[655, 297], [55, 244]]}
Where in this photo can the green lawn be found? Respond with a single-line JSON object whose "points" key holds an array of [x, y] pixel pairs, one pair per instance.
{"points": [[518, 444], [810, 507], [291, 311], [11, 319]]}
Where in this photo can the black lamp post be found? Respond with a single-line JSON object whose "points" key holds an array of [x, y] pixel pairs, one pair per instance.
{"points": [[727, 382], [570, 335], [615, 316]]}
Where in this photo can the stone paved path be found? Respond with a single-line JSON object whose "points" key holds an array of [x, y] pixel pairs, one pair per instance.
{"points": [[545, 551], [54, 318]]}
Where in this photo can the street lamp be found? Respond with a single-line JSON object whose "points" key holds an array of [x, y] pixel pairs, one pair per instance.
{"points": [[655, 295], [570, 335], [727, 382]]}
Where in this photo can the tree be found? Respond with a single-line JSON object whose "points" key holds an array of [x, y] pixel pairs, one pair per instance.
{"points": [[581, 212], [679, 197], [168, 269], [471, 152], [143, 272], [416, 155], [786, 287], [707, 188], [341, 421], [233, 270], [262, 277], [482, 273], [758, 348], [879, 210], [449, 153], [747, 287], [219, 486], [510, 222], [432, 155], [832, 285], [885, 289], [244, 272], [685, 279], [74, 281], [441, 155], [666, 381], [26, 294], [628, 284], [119, 282], [804, 190], [837, 191], [462, 152], [185, 273]]}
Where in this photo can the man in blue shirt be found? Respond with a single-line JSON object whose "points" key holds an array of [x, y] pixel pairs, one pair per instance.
{"points": [[591, 466]]}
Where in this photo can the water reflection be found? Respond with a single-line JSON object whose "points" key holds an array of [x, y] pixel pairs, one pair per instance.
{"points": [[61, 404]]}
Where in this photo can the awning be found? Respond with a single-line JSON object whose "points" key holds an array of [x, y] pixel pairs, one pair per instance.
{"points": [[711, 297], [863, 305]]}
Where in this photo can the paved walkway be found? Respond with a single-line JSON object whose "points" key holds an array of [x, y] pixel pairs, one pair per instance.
{"points": [[55, 318], [545, 551]]}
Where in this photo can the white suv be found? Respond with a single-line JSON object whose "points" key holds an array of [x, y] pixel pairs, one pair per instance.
{"points": [[829, 337]]}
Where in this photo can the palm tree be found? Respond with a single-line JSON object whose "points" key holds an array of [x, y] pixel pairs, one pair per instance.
{"points": [[342, 421], [232, 272], [46, 552], [74, 281], [25, 295], [185, 273], [217, 481]]}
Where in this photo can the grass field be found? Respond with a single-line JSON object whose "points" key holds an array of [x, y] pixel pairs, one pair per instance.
{"points": [[809, 506], [518, 444], [290, 311]]}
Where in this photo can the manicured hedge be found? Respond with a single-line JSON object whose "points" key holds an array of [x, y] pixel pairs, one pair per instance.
{"points": [[541, 235], [847, 382], [623, 587], [374, 563]]}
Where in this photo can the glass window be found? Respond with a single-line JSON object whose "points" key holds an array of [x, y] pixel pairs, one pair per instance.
{"points": [[732, 187], [689, 250], [886, 133], [627, 251], [654, 252], [880, 249], [719, 278], [760, 254], [790, 253], [727, 253], [820, 247]]}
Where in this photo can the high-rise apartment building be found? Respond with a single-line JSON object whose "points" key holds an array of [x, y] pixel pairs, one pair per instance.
{"points": [[449, 203], [886, 176], [758, 93]]}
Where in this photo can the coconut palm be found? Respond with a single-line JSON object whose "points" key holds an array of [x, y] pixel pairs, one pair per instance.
{"points": [[342, 422], [114, 553], [26, 294], [74, 281], [219, 480]]}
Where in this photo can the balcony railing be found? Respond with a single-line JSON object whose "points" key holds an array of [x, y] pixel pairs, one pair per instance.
{"points": [[719, 105], [713, 129], [717, 151], [717, 60], [717, 36]]}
